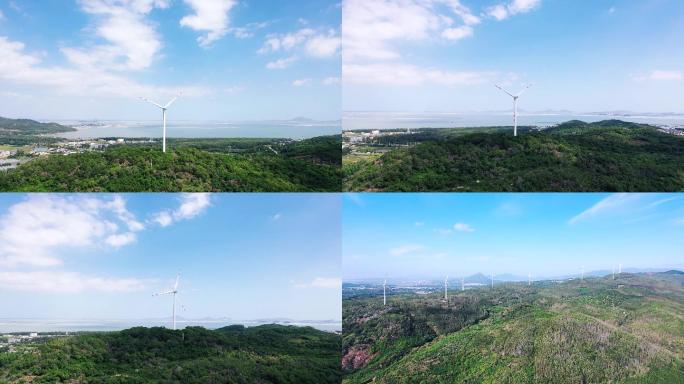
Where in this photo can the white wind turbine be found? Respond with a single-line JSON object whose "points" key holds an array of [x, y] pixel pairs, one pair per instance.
{"points": [[492, 279], [529, 279], [583, 273], [445, 288], [462, 284], [384, 294], [173, 292], [163, 108], [515, 105]]}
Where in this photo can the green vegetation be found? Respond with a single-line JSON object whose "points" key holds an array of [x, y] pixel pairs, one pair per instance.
{"points": [[264, 354], [212, 165], [628, 330], [575, 156]]}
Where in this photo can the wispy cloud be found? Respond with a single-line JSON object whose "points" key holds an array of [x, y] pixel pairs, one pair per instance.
{"points": [[281, 63], [307, 41], [321, 282], [622, 205], [660, 75], [505, 10], [301, 82], [406, 249], [67, 282], [463, 227]]}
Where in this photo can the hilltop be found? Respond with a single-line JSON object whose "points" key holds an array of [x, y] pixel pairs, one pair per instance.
{"points": [[209, 165], [609, 155], [628, 330], [235, 354], [25, 131]]}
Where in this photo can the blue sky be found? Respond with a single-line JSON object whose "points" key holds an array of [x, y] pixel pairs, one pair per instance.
{"points": [[445, 55], [243, 256], [548, 234], [232, 59]]}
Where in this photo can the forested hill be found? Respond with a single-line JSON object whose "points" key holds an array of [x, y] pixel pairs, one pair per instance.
{"points": [[609, 155], [30, 127], [600, 330], [263, 354], [190, 165]]}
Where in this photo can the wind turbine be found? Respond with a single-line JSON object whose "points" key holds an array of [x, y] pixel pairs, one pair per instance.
{"points": [[492, 280], [529, 279], [583, 273], [446, 284], [613, 271], [173, 292], [620, 269], [163, 108], [384, 294], [515, 105], [462, 284]]}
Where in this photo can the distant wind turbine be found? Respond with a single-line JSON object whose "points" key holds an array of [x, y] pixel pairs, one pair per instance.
{"points": [[163, 108], [446, 284], [173, 292], [583, 273], [492, 280], [462, 284], [613, 271], [384, 293], [515, 105], [529, 279], [619, 268]]}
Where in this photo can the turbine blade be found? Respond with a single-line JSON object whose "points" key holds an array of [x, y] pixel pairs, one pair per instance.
{"points": [[151, 102], [175, 286], [162, 293], [171, 102], [523, 90], [509, 94]]}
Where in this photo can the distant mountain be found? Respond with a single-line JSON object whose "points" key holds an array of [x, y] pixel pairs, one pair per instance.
{"points": [[30, 127]]}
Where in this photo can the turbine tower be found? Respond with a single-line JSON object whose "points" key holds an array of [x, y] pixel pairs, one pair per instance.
{"points": [[529, 279], [613, 271], [173, 292], [492, 280], [462, 284], [384, 293], [446, 284], [583, 273], [619, 268], [163, 108], [515, 105]]}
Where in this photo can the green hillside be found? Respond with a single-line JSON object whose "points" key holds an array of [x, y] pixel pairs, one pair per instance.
{"points": [[264, 354], [30, 127], [628, 330], [211, 165], [575, 156]]}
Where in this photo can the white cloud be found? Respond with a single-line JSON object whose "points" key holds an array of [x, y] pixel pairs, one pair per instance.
{"points": [[457, 33], [504, 11], [119, 240], [409, 75], [419, 223], [612, 10], [372, 27], [24, 68], [322, 46], [313, 43], [277, 216], [281, 63], [321, 282], [406, 249], [660, 75], [132, 42], [331, 80], [463, 227], [210, 16], [301, 82], [32, 231], [191, 205], [66, 282]]}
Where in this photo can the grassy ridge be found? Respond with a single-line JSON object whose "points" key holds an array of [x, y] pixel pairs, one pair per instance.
{"points": [[575, 156], [263, 354], [190, 165], [572, 332]]}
